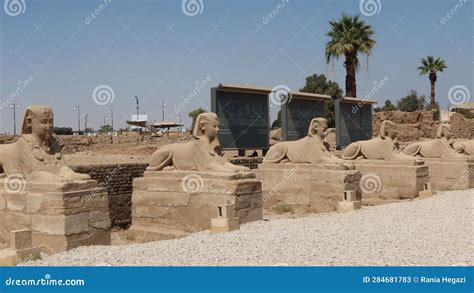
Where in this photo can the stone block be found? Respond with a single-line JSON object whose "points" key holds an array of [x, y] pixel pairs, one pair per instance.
{"points": [[305, 187], [348, 206], [221, 225], [20, 239]]}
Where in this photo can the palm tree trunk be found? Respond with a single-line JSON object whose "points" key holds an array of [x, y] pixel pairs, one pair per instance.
{"points": [[433, 100], [351, 90]]}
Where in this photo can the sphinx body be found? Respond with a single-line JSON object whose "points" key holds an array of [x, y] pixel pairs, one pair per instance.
{"points": [[436, 148], [201, 154], [36, 155], [464, 147], [310, 149], [383, 147]]}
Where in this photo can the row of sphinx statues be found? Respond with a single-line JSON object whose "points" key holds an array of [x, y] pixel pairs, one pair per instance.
{"points": [[36, 154]]}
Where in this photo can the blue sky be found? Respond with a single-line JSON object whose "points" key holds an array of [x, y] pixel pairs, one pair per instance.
{"points": [[153, 50]]}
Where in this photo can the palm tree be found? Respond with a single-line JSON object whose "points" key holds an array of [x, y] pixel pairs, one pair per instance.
{"points": [[349, 37], [432, 66]]}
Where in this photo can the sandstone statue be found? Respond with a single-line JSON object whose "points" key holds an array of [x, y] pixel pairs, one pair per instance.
{"points": [[310, 149], [201, 154], [383, 147], [465, 147], [436, 148], [36, 155]]}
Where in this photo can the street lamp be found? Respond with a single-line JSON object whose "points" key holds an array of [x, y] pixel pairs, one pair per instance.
{"points": [[78, 110], [163, 104], [111, 113], [14, 106], [138, 106], [85, 122]]}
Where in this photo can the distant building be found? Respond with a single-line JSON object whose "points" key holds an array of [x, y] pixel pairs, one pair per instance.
{"points": [[141, 118]]}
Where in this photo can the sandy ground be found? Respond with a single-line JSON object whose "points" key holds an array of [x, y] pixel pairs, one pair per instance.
{"points": [[438, 231]]}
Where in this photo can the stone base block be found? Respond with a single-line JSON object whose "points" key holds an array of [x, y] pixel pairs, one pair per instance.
{"points": [[306, 188], [187, 201], [451, 174], [349, 206], [220, 225], [391, 180], [21, 249], [61, 216]]}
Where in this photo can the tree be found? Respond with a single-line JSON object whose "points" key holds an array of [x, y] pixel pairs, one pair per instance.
{"points": [[388, 106], [193, 115], [432, 66], [277, 123], [62, 130], [106, 128], [349, 37], [89, 130], [411, 102], [319, 84]]}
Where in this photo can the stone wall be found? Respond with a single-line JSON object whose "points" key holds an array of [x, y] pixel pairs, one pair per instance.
{"points": [[418, 125], [251, 163], [117, 180]]}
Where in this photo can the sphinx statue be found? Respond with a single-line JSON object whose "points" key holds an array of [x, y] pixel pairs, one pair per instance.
{"points": [[201, 154], [36, 155], [465, 147], [436, 148], [383, 147], [310, 149]]}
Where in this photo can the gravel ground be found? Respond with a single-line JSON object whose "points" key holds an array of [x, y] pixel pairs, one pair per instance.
{"points": [[437, 231]]}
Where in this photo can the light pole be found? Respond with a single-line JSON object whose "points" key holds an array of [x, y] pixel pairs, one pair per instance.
{"points": [[111, 113], [138, 106], [163, 110], [85, 122], [78, 110], [14, 106]]}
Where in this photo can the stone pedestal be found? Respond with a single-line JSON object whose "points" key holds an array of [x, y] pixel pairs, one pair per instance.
{"points": [[61, 216], [306, 188], [171, 204], [386, 181], [21, 249], [351, 201], [451, 174]]}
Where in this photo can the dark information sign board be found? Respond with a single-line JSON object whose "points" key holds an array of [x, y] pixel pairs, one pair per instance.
{"points": [[353, 122], [297, 115], [244, 118]]}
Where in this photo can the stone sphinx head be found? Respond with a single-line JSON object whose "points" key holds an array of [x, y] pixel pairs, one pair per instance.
{"points": [[38, 121], [444, 131], [207, 124], [318, 126], [388, 130]]}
